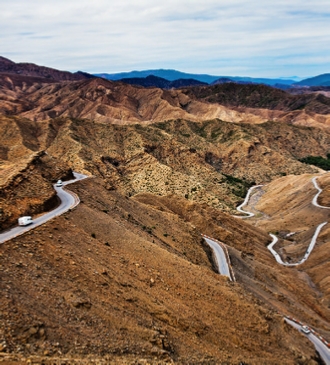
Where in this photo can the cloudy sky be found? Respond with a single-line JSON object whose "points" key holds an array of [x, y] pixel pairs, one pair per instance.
{"points": [[219, 37]]}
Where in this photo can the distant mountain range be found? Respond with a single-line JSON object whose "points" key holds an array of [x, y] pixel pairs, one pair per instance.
{"points": [[321, 80], [155, 81], [162, 78], [140, 78], [173, 75], [169, 75]]}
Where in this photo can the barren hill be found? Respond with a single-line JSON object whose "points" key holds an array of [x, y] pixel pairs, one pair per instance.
{"points": [[125, 278], [30, 69], [260, 96], [115, 102], [96, 284], [104, 100], [308, 109], [213, 162]]}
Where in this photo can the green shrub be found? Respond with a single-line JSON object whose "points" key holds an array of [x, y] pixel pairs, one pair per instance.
{"points": [[319, 161], [239, 186]]}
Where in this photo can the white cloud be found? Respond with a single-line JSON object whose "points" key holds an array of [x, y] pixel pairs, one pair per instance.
{"points": [[221, 37]]}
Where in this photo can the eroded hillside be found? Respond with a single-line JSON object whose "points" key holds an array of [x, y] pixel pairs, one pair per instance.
{"points": [[121, 280], [97, 99], [264, 101], [285, 207], [125, 277], [213, 162]]}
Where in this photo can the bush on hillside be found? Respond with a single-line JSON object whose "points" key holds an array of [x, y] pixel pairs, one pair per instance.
{"points": [[319, 161]]}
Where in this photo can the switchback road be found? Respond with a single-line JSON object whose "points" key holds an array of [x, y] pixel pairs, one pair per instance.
{"points": [[275, 239], [308, 252], [246, 200], [314, 238], [321, 345], [314, 201]]}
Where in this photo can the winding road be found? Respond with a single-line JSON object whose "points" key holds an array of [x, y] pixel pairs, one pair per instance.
{"points": [[68, 201], [314, 201], [314, 238], [275, 239], [239, 208], [221, 257], [321, 345], [308, 252]]}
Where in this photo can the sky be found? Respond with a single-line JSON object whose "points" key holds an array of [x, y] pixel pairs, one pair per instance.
{"points": [[280, 38]]}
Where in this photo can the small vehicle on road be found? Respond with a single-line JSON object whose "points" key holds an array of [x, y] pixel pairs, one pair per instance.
{"points": [[24, 221], [305, 330], [59, 183]]}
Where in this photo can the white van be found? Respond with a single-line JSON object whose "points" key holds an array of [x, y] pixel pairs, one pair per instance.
{"points": [[59, 183], [24, 221]]}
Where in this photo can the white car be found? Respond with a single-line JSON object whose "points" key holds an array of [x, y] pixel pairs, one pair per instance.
{"points": [[59, 183], [24, 221], [305, 330]]}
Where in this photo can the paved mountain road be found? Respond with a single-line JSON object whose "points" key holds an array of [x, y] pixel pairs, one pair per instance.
{"points": [[220, 256], [246, 200], [308, 251], [272, 244], [314, 238], [68, 201], [321, 346], [314, 201]]}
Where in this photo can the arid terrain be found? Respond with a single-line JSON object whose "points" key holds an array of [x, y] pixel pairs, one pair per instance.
{"points": [[125, 277]]}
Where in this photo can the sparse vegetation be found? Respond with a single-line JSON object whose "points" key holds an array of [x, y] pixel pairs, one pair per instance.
{"points": [[319, 161], [240, 186], [132, 286], [147, 229]]}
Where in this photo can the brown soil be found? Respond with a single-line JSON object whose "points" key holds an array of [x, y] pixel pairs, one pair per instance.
{"points": [[26, 187], [293, 212], [125, 278], [131, 282], [114, 102]]}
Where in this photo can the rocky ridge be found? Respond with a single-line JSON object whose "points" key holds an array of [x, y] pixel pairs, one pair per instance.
{"points": [[213, 162], [31, 70], [123, 277], [114, 102]]}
